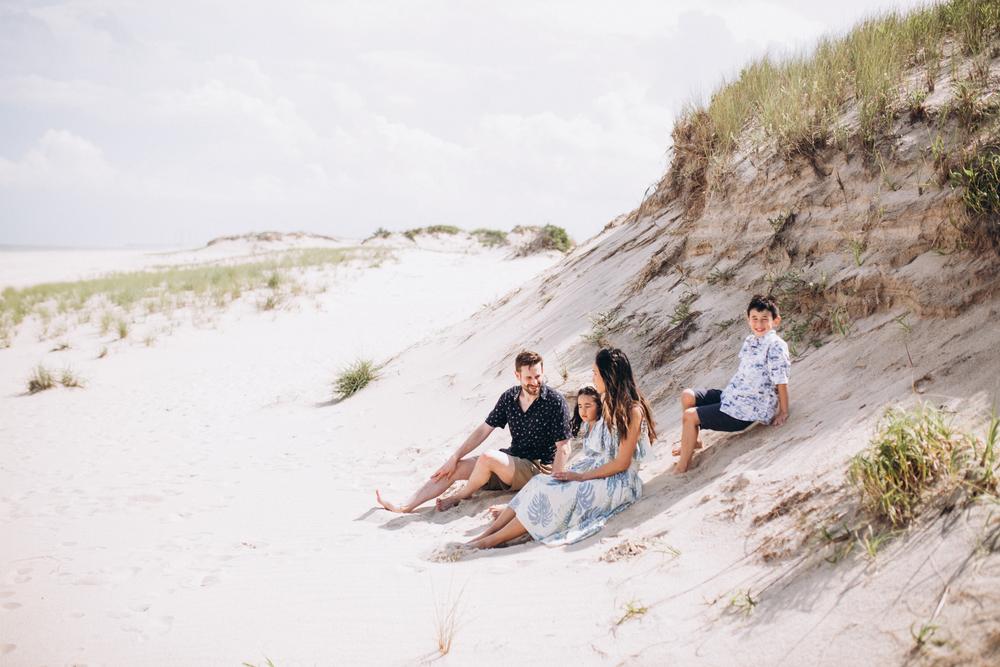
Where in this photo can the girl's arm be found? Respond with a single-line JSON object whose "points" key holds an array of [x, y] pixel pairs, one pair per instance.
{"points": [[622, 460]]}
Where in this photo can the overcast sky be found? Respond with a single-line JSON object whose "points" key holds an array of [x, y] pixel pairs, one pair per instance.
{"points": [[143, 122]]}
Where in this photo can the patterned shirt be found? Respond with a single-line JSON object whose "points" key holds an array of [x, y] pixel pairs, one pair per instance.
{"points": [[535, 432], [752, 394]]}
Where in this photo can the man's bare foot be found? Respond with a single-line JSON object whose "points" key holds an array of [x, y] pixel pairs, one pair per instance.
{"points": [[443, 504], [390, 506], [676, 451], [496, 510]]}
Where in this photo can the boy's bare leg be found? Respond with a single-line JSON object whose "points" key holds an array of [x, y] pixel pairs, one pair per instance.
{"points": [[431, 489], [689, 438], [512, 530], [487, 464], [502, 520], [688, 400]]}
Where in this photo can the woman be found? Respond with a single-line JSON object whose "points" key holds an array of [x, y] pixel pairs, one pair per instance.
{"points": [[576, 503]]}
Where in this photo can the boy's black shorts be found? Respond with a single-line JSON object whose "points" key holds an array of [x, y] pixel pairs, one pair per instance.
{"points": [[708, 403]]}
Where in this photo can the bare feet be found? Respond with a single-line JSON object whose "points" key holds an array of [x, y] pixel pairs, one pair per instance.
{"points": [[496, 510], [443, 504], [389, 506], [676, 451]]}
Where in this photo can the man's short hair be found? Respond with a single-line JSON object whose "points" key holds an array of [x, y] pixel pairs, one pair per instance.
{"points": [[761, 302], [527, 358]]}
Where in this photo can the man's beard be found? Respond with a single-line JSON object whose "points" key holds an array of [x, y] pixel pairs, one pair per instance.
{"points": [[532, 390]]}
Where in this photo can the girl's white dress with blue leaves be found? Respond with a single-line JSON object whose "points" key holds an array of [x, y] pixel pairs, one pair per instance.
{"points": [[555, 512]]}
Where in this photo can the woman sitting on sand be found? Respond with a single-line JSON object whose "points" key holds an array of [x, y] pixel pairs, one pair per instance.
{"points": [[576, 503]]}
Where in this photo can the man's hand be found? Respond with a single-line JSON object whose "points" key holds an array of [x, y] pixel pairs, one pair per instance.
{"points": [[567, 476], [447, 470], [779, 419]]}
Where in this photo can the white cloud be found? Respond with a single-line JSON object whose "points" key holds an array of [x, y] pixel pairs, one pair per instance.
{"points": [[60, 160]]}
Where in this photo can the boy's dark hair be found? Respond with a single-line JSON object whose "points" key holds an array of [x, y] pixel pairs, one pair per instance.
{"points": [[588, 390], [527, 358], [761, 302]]}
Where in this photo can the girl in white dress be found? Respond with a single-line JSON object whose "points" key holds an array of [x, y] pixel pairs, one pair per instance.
{"points": [[576, 503]]}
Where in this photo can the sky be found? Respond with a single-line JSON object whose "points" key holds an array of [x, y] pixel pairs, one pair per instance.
{"points": [[132, 122]]}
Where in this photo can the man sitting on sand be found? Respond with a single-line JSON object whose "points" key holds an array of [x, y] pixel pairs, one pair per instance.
{"points": [[539, 423]]}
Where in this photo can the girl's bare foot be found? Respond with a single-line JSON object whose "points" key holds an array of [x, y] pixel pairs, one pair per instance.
{"points": [[390, 506], [676, 451]]}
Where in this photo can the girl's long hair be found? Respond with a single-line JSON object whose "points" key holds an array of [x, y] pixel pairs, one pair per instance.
{"points": [[621, 392], [588, 390]]}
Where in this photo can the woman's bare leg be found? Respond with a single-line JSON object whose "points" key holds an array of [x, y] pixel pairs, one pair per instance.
{"points": [[512, 530], [502, 520]]}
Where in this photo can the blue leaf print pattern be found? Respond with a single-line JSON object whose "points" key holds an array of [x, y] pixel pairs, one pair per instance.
{"points": [[585, 496], [540, 510], [613, 482]]}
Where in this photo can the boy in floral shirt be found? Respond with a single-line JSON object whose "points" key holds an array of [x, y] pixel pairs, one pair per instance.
{"points": [[757, 393]]}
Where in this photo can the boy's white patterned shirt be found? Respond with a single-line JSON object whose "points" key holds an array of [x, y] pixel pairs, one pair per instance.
{"points": [[752, 394]]}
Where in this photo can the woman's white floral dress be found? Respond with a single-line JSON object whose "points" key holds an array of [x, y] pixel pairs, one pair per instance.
{"points": [[557, 512]]}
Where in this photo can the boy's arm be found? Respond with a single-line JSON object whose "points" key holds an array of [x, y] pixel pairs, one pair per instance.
{"points": [[782, 415]]}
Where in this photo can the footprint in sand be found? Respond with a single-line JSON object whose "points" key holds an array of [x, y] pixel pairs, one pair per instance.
{"points": [[11, 606], [7, 648]]}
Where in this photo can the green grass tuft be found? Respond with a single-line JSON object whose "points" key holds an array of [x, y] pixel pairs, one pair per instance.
{"points": [[909, 453], [354, 378], [490, 238]]}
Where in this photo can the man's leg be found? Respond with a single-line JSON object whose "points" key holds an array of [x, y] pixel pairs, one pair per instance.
{"points": [[512, 530], [432, 489], [486, 465], [689, 438]]}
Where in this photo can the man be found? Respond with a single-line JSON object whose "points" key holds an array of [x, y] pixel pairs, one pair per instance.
{"points": [[539, 421]]}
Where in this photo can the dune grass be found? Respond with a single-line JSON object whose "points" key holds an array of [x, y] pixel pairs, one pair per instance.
{"points": [[164, 289], [40, 379], [354, 377], [490, 238], [798, 102], [913, 454]]}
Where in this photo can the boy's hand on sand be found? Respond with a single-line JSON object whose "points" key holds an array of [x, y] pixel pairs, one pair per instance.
{"points": [[779, 419], [445, 471]]}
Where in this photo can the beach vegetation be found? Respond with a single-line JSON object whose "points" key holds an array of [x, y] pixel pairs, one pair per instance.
{"points": [[979, 179], [167, 288], [122, 328], [721, 276], [796, 102], [40, 379], [743, 601], [682, 311], [633, 609], [69, 378], [353, 378], [915, 452], [491, 238], [601, 326], [446, 617]]}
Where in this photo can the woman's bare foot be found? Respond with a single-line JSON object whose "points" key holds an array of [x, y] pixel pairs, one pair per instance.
{"points": [[676, 451], [399, 509], [443, 504]]}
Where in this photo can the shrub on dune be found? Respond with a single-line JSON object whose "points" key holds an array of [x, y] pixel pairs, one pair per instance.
{"points": [[354, 378]]}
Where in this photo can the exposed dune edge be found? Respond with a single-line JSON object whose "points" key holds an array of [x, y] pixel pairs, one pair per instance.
{"points": [[873, 272]]}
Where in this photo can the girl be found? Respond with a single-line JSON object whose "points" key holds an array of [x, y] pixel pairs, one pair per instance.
{"points": [[576, 503]]}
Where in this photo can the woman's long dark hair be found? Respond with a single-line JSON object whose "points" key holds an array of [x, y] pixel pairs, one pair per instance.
{"points": [[621, 392], [585, 390]]}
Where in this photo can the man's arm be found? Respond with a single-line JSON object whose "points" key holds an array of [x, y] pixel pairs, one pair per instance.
{"points": [[475, 439], [563, 451], [782, 415]]}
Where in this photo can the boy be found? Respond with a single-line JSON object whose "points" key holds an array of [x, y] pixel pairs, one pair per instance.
{"points": [[757, 393]]}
